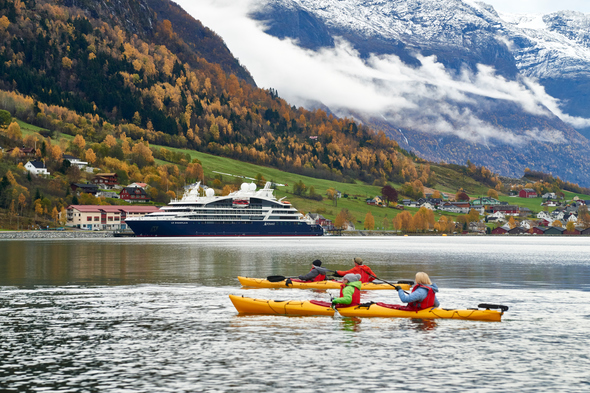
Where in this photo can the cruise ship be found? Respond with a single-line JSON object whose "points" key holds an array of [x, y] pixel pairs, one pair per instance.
{"points": [[246, 212]]}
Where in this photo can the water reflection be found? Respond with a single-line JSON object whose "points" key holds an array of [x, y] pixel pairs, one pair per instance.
{"points": [[351, 324], [425, 324], [451, 262]]}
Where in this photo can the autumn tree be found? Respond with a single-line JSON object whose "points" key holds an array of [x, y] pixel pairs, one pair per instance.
{"points": [[570, 226], [13, 131], [557, 223], [583, 216], [141, 154], [110, 141], [461, 196], [194, 172], [385, 223], [260, 180], [492, 193], [389, 193], [512, 222], [90, 156], [342, 218], [369, 221], [436, 194], [473, 216], [332, 195], [403, 222], [299, 188]]}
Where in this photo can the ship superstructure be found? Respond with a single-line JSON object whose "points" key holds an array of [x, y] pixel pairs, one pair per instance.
{"points": [[246, 212]]}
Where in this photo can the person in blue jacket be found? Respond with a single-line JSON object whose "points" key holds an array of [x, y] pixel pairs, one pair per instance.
{"points": [[423, 294]]}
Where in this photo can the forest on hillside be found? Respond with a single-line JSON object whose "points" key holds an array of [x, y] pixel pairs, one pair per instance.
{"points": [[113, 90]]}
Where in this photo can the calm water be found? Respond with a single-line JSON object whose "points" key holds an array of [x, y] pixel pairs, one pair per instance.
{"points": [[137, 315]]}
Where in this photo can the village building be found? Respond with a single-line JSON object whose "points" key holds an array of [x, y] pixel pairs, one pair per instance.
{"points": [[37, 168], [538, 230], [554, 231], [456, 207], [134, 194], [485, 201], [79, 188], [106, 180], [24, 152], [98, 217], [503, 230], [509, 210], [527, 193], [516, 231], [75, 161]]}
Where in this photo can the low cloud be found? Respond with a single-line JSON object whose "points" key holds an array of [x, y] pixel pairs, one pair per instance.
{"points": [[382, 86]]}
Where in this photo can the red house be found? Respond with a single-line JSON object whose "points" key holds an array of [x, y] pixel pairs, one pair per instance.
{"points": [[512, 210], [499, 231], [106, 180], [538, 230], [134, 194], [527, 193]]}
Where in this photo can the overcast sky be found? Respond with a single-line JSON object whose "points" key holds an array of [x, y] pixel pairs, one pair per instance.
{"points": [[539, 6]]}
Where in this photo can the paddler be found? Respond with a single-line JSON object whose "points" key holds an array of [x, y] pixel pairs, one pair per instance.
{"points": [[350, 291], [317, 273], [365, 272], [423, 294]]}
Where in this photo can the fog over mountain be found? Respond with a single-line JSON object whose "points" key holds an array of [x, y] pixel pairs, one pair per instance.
{"points": [[451, 80]]}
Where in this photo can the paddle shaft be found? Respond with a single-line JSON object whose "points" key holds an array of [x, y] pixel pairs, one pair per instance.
{"points": [[387, 282]]}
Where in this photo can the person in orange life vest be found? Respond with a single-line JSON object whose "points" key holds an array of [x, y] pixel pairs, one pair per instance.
{"points": [[366, 273], [422, 295], [350, 291], [317, 273]]}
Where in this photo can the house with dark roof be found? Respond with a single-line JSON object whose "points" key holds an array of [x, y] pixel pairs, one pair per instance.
{"points": [[87, 188], [37, 168], [134, 194], [106, 180], [512, 210], [555, 231], [538, 230]]}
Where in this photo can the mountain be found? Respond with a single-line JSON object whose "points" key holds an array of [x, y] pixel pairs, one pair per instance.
{"points": [[464, 82], [118, 75]]}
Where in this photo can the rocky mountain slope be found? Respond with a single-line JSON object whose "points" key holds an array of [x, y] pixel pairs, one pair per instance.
{"points": [[511, 90]]}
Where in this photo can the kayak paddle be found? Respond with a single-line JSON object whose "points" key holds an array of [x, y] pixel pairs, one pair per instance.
{"points": [[387, 282], [277, 278]]}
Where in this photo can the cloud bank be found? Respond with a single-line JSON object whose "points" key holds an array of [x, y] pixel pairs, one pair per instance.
{"points": [[381, 86]]}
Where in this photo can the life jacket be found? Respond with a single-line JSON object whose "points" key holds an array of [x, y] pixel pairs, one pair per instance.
{"points": [[365, 273], [356, 297], [319, 277], [427, 302]]}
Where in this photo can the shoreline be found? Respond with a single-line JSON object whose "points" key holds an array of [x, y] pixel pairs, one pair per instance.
{"points": [[55, 234]]}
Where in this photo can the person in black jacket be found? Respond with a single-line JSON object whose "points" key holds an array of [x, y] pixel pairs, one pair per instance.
{"points": [[317, 273]]}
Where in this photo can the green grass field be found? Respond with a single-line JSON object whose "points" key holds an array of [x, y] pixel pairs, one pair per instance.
{"points": [[449, 181]]}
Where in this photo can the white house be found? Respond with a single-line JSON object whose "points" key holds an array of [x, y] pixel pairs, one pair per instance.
{"points": [[75, 161], [37, 168], [497, 216], [428, 205], [544, 216]]}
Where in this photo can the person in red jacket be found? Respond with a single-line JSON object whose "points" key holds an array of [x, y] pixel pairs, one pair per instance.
{"points": [[366, 273]]}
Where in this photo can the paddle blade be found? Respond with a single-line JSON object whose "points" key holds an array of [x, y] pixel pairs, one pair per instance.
{"points": [[493, 306], [409, 282], [276, 278]]}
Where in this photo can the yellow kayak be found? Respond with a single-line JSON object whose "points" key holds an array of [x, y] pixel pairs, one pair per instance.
{"points": [[247, 305], [327, 284]]}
